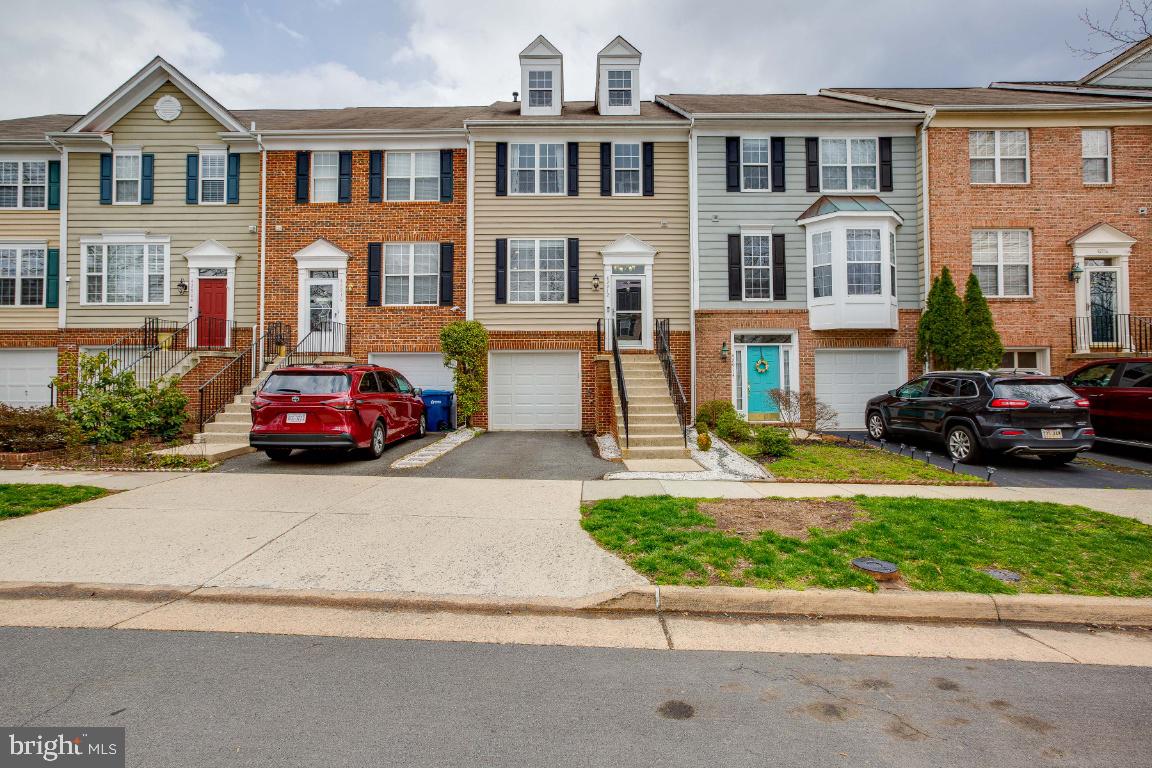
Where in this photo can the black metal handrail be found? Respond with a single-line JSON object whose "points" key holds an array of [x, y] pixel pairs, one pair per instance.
{"points": [[621, 390], [1105, 330], [229, 381], [329, 337], [158, 346], [664, 353]]}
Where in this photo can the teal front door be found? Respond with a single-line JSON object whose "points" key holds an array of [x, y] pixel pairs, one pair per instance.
{"points": [[762, 364]]}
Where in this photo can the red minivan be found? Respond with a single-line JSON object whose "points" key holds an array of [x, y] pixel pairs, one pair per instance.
{"points": [[351, 407], [1120, 393]]}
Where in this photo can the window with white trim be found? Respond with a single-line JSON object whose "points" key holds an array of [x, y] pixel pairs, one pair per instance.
{"points": [[125, 273], [536, 271], [412, 175], [126, 177], [1002, 261], [325, 177], [892, 261], [625, 169], [821, 265], [755, 164], [213, 175], [619, 87], [864, 264], [22, 272], [411, 273], [24, 184], [756, 250], [536, 169], [1035, 359], [849, 165], [539, 87], [998, 157], [1096, 155]]}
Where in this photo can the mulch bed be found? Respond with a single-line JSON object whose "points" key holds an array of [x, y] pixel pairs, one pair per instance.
{"points": [[748, 518]]}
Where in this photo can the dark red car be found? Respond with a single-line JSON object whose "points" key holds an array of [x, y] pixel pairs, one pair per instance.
{"points": [[352, 407], [1120, 396]]}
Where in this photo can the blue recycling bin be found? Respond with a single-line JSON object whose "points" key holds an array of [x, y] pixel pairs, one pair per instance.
{"points": [[439, 409]]}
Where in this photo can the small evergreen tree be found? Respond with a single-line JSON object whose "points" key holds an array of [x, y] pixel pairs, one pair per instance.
{"points": [[942, 334], [464, 345], [984, 348]]}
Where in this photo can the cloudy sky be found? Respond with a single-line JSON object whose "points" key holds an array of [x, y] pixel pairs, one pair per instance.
{"points": [[322, 53]]}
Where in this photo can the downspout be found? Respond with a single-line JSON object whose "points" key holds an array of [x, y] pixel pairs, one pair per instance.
{"points": [[924, 194], [263, 226], [470, 236], [693, 254], [62, 285]]}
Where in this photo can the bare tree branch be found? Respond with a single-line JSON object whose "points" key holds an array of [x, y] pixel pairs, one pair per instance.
{"points": [[1131, 23]]}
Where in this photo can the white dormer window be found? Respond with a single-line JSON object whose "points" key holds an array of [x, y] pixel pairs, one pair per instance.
{"points": [[540, 88], [619, 88], [541, 79], [618, 78]]}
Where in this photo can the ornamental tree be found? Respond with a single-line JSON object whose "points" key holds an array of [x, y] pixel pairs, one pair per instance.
{"points": [[984, 348], [942, 333]]}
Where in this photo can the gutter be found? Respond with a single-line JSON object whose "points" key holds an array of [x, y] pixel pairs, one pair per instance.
{"points": [[1092, 91], [693, 256], [935, 108], [470, 236]]}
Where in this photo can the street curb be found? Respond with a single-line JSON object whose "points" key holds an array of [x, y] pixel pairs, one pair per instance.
{"points": [[732, 602]]}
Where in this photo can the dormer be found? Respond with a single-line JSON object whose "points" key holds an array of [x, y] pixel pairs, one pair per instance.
{"points": [[541, 79], [618, 78]]}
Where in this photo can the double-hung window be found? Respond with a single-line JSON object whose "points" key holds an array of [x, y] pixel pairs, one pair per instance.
{"points": [[1002, 261], [755, 163], [864, 264], [540, 88], [24, 184], [849, 165], [411, 273], [619, 87], [536, 271], [126, 177], [536, 169], [892, 262], [22, 271], [998, 157], [125, 273], [756, 250], [213, 175], [325, 177], [413, 175], [625, 169], [821, 265], [1096, 155]]}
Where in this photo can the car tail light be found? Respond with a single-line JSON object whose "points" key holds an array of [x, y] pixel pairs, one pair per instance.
{"points": [[1012, 432], [1083, 402], [1005, 402], [1088, 432], [341, 404], [257, 403]]}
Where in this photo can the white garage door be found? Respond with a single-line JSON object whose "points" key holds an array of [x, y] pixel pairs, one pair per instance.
{"points": [[26, 377], [847, 379], [534, 390], [425, 370]]}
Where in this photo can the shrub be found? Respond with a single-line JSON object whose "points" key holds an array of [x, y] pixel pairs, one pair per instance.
{"points": [[111, 407], [802, 409], [704, 441], [942, 331], [464, 345], [984, 348], [701, 427], [773, 441], [23, 430], [733, 428], [711, 411]]}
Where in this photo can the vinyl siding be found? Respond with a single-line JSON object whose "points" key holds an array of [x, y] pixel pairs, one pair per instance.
{"points": [[779, 210], [1138, 72], [186, 225], [16, 224], [661, 221]]}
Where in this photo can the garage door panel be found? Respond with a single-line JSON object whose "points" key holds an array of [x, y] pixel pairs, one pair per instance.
{"points": [[26, 377], [423, 369], [534, 390], [846, 379]]}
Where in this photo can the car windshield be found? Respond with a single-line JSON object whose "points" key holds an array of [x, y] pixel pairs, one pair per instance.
{"points": [[1034, 391], [306, 383]]}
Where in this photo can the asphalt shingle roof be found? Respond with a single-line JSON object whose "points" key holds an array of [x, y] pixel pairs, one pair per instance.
{"points": [[984, 97], [28, 129], [771, 103]]}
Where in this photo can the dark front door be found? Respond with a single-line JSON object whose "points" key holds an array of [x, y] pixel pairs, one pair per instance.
{"points": [[629, 311], [212, 302], [1102, 306]]}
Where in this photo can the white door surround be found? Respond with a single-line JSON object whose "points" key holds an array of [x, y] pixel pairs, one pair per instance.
{"points": [[742, 338], [320, 257], [629, 259], [1100, 249], [210, 255]]}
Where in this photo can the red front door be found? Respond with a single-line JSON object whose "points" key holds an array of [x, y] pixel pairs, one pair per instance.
{"points": [[212, 325]]}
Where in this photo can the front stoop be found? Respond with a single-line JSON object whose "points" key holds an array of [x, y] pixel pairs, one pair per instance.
{"points": [[654, 428]]}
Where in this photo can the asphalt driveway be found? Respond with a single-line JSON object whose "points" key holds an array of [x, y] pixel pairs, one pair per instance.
{"points": [[494, 455]]}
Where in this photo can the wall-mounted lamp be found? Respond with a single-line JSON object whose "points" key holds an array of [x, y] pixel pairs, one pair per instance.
{"points": [[1075, 273], [724, 351], [596, 281], [182, 287]]}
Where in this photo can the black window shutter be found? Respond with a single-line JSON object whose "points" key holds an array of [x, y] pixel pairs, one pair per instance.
{"points": [[375, 260], [573, 270], [501, 168], [53, 185], [375, 176], [192, 179], [501, 270], [777, 163], [303, 176], [605, 168], [447, 251], [106, 178], [732, 163], [52, 278], [735, 269], [649, 168], [233, 178], [147, 177], [812, 163], [573, 169], [779, 269], [885, 163], [445, 175], [344, 188]]}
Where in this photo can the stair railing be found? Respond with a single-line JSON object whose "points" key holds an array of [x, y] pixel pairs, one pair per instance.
{"points": [[328, 337], [224, 385], [621, 389], [664, 353]]}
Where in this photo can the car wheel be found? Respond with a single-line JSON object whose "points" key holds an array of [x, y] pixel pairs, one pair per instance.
{"points": [[377, 444], [1056, 459], [962, 445], [876, 428], [422, 429], [278, 454]]}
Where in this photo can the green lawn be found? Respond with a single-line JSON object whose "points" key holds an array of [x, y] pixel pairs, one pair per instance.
{"points": [[938, 546], [832, 463], [24, 499]]}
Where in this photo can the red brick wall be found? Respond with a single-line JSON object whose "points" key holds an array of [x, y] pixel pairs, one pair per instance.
{"points": [[350, 227], [1056, 206]]}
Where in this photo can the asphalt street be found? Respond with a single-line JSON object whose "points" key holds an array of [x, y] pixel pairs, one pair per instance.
{"points": [[204, 699]]}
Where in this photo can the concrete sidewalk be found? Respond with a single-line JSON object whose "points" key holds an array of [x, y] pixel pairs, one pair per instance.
{"points": [[114, 481]]}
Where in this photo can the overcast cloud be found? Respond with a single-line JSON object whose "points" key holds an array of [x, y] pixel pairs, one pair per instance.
{"points": [[329, 53]]}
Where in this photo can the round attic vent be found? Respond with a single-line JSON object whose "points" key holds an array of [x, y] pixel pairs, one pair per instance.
{"points": [[168, 108]]}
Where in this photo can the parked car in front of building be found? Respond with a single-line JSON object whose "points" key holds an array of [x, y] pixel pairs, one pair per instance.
{"points": [[1120, 395], [353, 407], [976, 413]]}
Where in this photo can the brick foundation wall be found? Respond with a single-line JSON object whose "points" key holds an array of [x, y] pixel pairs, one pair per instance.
{"points": [[190, 383]]}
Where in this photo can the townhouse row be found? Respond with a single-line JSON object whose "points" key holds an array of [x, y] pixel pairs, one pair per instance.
{"points": [[769, 241]]}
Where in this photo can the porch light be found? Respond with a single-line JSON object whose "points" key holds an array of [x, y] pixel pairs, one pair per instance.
{"points": [[724, 351], [1076, 272], [182, 287], [596, 281]]}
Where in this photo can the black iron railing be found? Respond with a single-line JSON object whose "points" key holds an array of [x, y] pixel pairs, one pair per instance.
{"points": [[621, 389], [328, 337], [229, 381], [668, 363], [158, 346], [1107, 331]]}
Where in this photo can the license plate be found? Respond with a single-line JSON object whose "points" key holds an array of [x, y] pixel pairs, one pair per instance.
{"points": [[296, 418], [1052, 434]]}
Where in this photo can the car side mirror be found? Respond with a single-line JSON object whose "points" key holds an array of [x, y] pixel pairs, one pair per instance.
{"points": [[893, 392], [417, 391]]}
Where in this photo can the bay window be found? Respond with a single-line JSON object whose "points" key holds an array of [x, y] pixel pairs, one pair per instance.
{"points": [[413, 175], [411, 273], [22, 273], [125, 273], [863, 262], [821, 265], [849, 165], [24, 184], [536, 169], [536, 271]]}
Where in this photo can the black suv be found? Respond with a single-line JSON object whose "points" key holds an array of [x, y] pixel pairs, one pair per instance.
{"points": [[1016, 412]]}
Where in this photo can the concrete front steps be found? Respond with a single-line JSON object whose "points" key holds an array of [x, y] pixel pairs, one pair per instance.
{"points": [[653, 427]]}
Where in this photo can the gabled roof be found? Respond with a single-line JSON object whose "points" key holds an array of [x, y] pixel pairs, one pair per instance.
{"points": [[1126, 56], [31, 130], [575, 111], [984, 98], [701, 104], [141, 85], [828, 205], [1102, 233], [619, 47], [540, 48]]}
